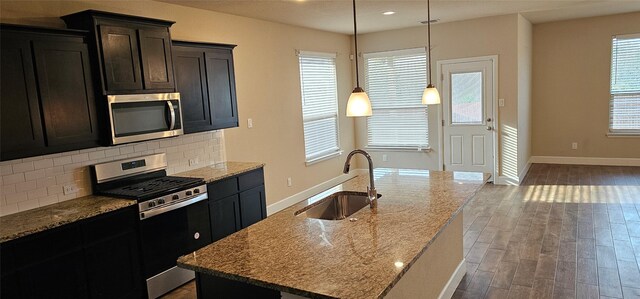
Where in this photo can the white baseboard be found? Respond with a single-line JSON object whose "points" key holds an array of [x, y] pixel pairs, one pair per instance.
{"points": [[300, 196], [586, 160], [454, 281]]}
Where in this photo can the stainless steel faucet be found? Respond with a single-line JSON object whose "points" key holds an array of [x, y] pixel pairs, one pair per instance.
{"points": [[372, 194]]}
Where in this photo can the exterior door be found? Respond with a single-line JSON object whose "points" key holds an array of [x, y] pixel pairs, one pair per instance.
{"points": [[468, 120]]}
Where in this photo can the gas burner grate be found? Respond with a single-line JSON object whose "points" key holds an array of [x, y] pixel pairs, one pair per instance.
{"points": [[154, 187]]}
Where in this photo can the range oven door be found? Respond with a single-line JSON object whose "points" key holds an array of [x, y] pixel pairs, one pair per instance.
{"points": [[166, 237], [145, 116]]}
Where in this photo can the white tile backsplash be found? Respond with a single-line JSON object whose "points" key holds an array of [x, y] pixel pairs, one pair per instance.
{"points": [[38, 181]]}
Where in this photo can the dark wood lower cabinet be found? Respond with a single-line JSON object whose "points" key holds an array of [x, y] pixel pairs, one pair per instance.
{"points": [[252, 206], [243, 204], [93, 258], [225, 217], [216, 287]]}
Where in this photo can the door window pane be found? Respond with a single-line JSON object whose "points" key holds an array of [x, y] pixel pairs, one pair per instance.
{"points": [[466, 98]]}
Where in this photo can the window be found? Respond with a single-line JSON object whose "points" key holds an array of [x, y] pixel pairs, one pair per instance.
{"points": [[319, 105], [624, 115], [394, 82]]}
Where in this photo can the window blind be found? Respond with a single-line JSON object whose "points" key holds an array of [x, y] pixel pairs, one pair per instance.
{"points": [[319, 104], [624, 114], [394, 82]]}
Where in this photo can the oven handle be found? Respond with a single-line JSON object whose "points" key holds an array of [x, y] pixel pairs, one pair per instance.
{"points": [[173, 115], [158, 211]]}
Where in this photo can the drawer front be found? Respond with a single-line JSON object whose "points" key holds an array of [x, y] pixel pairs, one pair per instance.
{"points": [[223, 188], [252, 179]]}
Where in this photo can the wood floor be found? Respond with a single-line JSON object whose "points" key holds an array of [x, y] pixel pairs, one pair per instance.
{"points": [[568, 232]]}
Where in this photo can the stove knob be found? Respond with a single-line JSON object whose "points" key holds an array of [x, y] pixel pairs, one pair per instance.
{"points": [[189, 193], [160, 201], [151, 204], [196, 191], [175, 197]]}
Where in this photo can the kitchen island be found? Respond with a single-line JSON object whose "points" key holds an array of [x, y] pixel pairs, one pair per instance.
{"points": [[410, 244]]}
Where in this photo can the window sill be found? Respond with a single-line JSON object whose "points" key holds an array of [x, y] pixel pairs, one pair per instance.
{"points": [[624, 135], [323, 158], [400, 148]]}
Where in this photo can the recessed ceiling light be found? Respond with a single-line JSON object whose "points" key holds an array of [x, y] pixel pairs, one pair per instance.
{"points": [[388, 13]]}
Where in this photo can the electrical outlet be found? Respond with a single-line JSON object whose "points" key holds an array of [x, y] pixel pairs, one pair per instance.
{"points": [[250, 123], [289, 182], [70, 189], [574, 145], [385, 158], [194, 161], [501, 102]]}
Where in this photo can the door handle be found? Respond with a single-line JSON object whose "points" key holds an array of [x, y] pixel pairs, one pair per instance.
{"points": [[489, 128], [172, 113], [489, 119]]}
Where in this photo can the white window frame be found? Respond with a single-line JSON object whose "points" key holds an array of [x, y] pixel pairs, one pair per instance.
{"points": [[329, 152], [620, 132], [419, 105]]}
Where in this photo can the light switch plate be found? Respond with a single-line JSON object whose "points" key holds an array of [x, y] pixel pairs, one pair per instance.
{"points": [[501, 102], [250, 123]]}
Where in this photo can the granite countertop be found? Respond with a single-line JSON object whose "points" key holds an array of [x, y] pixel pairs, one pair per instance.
{"points": [[43, 218], [332, 259], [220, 171], [40, 219]]}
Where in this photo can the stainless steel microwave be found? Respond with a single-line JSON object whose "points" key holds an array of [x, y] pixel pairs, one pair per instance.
{"points": [[144, 116]]}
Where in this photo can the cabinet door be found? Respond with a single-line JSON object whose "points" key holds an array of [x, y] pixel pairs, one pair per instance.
{"points": [[199, 233], [20, 127], [157, 65], [225, 217], [191, 83], [112, 255], [113, 267], [222, 88], [120, 59], [252, 206], [66, 93], [59, 277]]}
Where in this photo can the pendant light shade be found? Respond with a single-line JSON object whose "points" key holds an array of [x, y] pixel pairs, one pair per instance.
{"points": [[358, 103], [430, 96]]}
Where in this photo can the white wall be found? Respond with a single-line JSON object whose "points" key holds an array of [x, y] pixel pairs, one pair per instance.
{"points": [[525, 66]]}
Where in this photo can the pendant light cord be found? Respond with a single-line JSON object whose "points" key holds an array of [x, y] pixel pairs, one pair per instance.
{"points": [[428, 37], [355, 37]]}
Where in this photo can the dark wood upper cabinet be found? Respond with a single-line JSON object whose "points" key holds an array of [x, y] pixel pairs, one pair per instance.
{"points": [[120, 60], [206, 81], [157, 65], [48, 103], [66, 93], [134, 53], [21, 127]]}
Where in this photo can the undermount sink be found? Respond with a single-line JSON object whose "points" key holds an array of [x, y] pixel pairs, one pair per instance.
{"points": [[336, 206]]}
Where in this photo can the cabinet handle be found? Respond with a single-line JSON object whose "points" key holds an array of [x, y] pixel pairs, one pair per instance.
{"points": [[196, 235]]}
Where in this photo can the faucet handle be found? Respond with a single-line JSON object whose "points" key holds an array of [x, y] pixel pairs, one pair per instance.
{"points": [[372, 194]]}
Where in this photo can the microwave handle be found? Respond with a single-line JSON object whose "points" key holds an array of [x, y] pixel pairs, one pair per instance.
{"points": [[172, 112]]}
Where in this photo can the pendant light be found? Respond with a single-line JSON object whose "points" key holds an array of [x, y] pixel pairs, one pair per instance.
{"points": [[430, 96], [358, 103]]}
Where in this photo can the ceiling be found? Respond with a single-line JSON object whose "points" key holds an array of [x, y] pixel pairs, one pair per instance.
{"points": [[336, 15]]}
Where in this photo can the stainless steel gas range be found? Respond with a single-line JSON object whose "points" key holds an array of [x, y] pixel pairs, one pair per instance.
{"points": [[174, 215]]}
